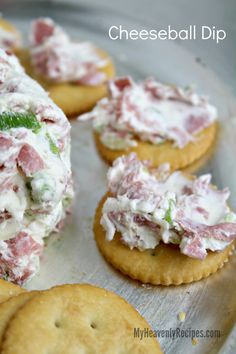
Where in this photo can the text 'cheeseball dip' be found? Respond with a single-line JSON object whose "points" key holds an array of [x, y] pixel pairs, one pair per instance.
{"points": [[58, 59], [151, 206], [35, 172]]}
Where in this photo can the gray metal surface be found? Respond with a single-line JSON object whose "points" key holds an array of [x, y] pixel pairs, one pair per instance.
{"points": [[73, 255]]}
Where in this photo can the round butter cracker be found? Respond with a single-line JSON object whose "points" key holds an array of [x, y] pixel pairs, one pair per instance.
{"points": [[9, 308], [72, 98], [165, 152], [164, 265], [7, 290], [77, 319]]}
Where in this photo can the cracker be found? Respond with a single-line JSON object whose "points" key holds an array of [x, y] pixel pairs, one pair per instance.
{"points": [[165, 152], [77, 319], [73, 99], [164, 265], [10, 307], [7, 26], [7, 290]]}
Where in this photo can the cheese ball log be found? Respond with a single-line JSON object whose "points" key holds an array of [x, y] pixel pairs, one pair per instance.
{"points": [[35, 174]]}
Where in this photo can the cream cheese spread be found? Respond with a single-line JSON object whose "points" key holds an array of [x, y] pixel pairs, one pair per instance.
{"points": [[59, 59], [35, 171], [9, 40], [149, 111], [150, 206]]}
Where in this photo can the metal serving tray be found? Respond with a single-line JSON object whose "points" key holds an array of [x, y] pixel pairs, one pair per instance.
{"points": [[73, 256]]}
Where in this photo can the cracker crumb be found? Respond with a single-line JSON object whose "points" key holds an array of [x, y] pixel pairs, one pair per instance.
{"points": [[146, 286], [182, 316], [194, 341]]}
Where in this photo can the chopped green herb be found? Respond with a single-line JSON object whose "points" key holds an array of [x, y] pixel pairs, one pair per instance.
{"points": [[54, 149], [5, 276], [145, 170], [169, 211], [99, 128], [30, 215], [9, 120], [67, 202], [230, 217], [40, 195], [28, 185]]}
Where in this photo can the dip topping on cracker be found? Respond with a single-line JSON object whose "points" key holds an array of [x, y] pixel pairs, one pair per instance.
{"points": [[149, 111], [148, 206], [8, 40], [57, 58], [9, 37], [35, 173]]}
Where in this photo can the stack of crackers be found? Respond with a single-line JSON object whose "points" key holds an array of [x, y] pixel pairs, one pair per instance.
{"points": [[70, 319]]}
